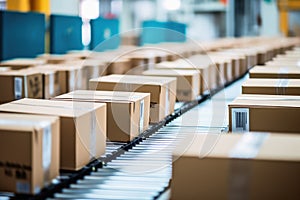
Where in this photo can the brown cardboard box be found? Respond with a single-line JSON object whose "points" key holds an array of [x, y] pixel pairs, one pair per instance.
{"points": [[83, 127], [236, 166], [142, 60], [75, 75], [20, 84], [127, 112], [222, 64], [162, 90], [60, 83], [50, 78], [29, 153], [275, 72], [21, 63], [5, 69], [188, 82], [119, 66], [92, 68], [57, 58], [238, 65], [281, 64], [274, 113], [204, 69], [271, 86]]}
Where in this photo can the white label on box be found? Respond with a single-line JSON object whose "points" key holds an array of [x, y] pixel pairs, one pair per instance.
{"points": [[51, 85], [142, 110], [240, 119], [22, 187], [47, 147], [71, 80], [167, 109], [18, 87]]}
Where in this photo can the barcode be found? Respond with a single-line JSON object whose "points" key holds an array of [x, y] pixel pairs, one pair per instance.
{"points": [[18, 88], [240, 119]]}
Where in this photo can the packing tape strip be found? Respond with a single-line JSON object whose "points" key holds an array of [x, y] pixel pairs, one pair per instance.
{"points": [[71, 80], [240, 169], [51, 84], [248, 146], [142, 110], [167, 109], [283, 70], [47, 148], [79, 79], [25, 87], [281, 85], [93, 133]]}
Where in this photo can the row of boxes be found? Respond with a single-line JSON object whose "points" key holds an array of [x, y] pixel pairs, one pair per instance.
{"points": [[259, 161], [71, 130], [270, 99]]}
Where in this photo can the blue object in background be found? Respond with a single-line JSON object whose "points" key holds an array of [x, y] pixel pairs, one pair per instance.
{"points": [[104, 34], [156, 32], [21, 34], [177, 32], [65, 34], [153, 32]]}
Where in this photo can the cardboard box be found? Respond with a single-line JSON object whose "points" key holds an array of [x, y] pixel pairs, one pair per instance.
{"points": [[29, 153], [51, 81], [188, 82], [83, 127], [281, 64], [57, 58], [204, 69], [127, 112], [119, 66], [271, 86], [275, 72], [162, 90], [142, 60], [75, 76], [92, 68], [21, 63], [236, 166], [270, 113], [19, 84], [4, 69], [238, 65]]}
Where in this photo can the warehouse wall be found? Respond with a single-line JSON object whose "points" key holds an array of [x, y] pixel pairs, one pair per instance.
{"points": [[270, 18], [69, 7]]}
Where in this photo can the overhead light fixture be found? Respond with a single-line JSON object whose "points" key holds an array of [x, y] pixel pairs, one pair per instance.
{"points": [[171, 4]]}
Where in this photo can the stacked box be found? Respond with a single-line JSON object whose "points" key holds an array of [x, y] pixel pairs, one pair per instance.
{"points": [[270, 113], [127, 112], [236, 166], [82, 128], [29, 153], [162, 90], [188, 82]]}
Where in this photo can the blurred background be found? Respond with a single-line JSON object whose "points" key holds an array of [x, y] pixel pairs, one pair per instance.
{"points": [[204, 19]]}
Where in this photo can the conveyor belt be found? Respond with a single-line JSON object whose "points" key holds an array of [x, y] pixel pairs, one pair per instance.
{"points": [[144, 171], [142, 168]]}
